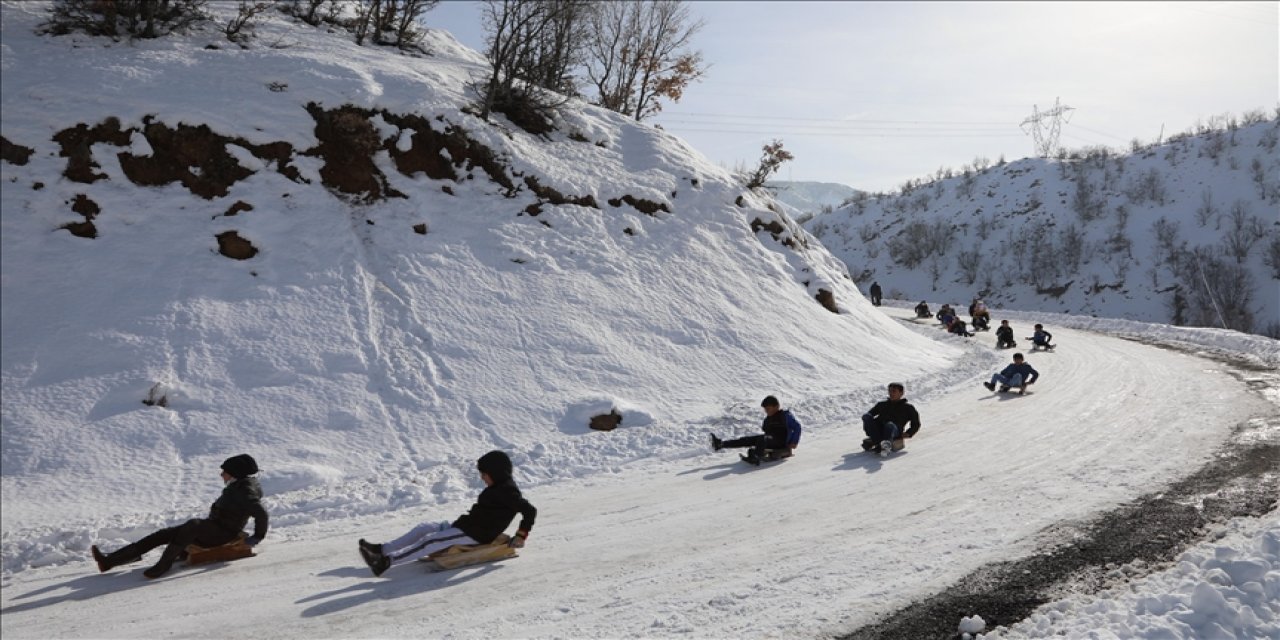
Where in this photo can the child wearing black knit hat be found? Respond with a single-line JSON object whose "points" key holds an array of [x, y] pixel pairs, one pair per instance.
{"points": [[493, 511]]}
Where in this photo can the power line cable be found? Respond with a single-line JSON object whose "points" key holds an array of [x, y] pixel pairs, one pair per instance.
{"points": [[829, 134], [837, 120]]}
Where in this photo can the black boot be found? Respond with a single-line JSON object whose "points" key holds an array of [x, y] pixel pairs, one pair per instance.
{"points": [[104, 564], [370, 547], [107, 562], [377, 562], [166, 561]]}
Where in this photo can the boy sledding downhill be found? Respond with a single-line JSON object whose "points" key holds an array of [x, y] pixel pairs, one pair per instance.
{"points": [[484, 524], [241, 499], [779, 440], [1004, 336], [1019, 374], [1041, 339], [883, 423]]}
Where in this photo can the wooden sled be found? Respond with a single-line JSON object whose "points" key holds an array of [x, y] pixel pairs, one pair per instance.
{"points": [[770, 455], [898, 445], [461, 555], [233, 550]]}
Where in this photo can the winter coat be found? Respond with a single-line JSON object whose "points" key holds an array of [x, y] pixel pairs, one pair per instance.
{"points": [[875, 289], [782, 427], [1042, 337], [494, 510], [1029, 374], [899, 412], [240, 500], [1004, 333]]}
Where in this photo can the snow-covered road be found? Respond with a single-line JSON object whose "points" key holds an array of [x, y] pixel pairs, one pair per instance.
{"points": [[706, 546]]}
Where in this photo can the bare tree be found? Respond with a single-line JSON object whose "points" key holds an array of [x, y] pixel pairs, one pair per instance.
{"points": [[1217, 292], [1206, 211], [134, 18], [306, 10], [1245, 231], [515, 29], [1271, 257], [638, 54], [559, 49], [240, 28], [969, 262], [771, 158], [1166, 232]]}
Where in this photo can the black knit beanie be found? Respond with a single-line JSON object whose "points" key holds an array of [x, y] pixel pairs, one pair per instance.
{"points": [[496, 464], [241, 466]]}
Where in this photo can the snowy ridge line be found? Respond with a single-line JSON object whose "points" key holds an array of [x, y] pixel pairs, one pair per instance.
{"points": [[1259, 350]]}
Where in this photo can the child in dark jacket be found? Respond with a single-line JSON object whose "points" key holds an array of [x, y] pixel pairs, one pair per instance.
{"points": [[781, 433], [886, 421], [241, 499], [493, 511]]}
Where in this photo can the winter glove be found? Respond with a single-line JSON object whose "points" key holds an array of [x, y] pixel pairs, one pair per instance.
{"points": [[911, 432], [517, 541], [252, 541]]}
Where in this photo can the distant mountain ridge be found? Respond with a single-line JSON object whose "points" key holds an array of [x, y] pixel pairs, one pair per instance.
{"points": [[1185, 232], [810, 198]]}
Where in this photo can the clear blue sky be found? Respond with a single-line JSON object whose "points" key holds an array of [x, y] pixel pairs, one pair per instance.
{"points": [[870, 94]]}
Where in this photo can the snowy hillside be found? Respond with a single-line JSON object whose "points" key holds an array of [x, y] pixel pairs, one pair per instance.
{"points": [[810, 197], [314, 252], [315, 244], [1187, 232]]}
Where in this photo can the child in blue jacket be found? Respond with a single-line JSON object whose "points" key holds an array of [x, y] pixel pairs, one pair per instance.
{"points": [[1019, 374]]}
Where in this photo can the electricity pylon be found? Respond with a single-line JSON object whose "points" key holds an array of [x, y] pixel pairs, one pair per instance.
{"points": [[1047, 141]]}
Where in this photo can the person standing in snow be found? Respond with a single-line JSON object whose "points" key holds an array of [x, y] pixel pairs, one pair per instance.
{"points": [[241, 499], [875, 293], [491, 514], [1019, 374], [781, 431], [884, 422]]}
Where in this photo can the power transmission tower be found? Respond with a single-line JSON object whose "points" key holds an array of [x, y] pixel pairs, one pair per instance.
{"points": [[1047, 141]]}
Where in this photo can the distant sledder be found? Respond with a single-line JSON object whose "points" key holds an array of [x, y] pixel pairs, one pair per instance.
{"points": [[779, 440], [922, 310], [1019, 374], [1004, 336], [883, 423], [980, 316], [1041, 339]]}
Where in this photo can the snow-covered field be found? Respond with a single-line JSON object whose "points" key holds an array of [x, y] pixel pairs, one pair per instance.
{"points": [[366, 366]]}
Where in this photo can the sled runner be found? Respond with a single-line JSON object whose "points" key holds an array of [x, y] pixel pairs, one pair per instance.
{"points": [[770, 455], [1015, 391], [233, 550], [869, 446], [461, 555]]}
